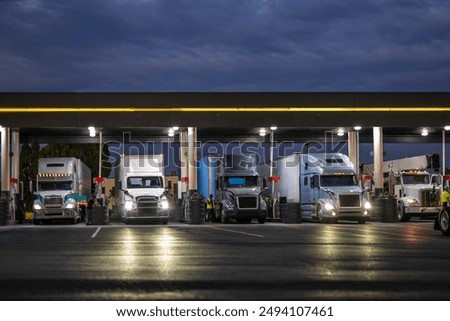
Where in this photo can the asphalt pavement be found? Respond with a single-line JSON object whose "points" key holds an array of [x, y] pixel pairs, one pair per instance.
{"points": [[272, 261]]}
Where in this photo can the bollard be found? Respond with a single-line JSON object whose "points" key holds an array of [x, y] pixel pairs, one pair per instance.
{"points": [[290, 213], [385, 210], [5, 209], [195, 211], [100, 215]]}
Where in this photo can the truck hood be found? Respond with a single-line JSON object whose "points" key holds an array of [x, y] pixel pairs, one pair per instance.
{"points": [[245, 191], [138, 192], [55, 193], [419, 187], [344, 189]]}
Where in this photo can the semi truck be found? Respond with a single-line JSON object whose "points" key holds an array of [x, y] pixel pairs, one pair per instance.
{"points": [[239, 191], [63, 186], [323, 187], [140, 191], [415, 184]]}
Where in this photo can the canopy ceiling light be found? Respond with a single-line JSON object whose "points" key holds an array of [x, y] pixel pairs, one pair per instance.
{"points": [[91, 131]]}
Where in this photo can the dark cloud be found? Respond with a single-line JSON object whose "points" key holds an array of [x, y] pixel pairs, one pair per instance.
{"points": [[223, 45]]}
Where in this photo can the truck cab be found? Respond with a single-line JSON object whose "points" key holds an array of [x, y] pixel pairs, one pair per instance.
{"points": [[62, 187], [330, 190], [238, 189], [140, 189], [239, 196], [417, 193]]}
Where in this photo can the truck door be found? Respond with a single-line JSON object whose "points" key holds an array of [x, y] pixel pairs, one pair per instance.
{"points": [[314, 181]]}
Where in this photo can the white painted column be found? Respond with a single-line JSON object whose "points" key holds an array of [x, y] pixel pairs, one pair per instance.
{"points": [[5, 151], [353, 149], [378, 159], [443, 152], [183, 160], [15, 172], [192, 159]]}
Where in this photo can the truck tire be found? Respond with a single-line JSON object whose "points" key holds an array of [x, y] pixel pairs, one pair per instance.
{"points": [[402, 216], [362, 221], [319, 213], [223, 216], [261, 220], [444, 222]]}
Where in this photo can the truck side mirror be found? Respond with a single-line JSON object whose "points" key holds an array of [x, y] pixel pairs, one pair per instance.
{"points": [[120, 185]]}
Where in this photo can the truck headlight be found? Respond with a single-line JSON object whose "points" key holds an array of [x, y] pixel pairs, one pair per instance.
{"points": [[70, 204], [37, 206], [128, 205], [367, 205], [411, 201], [328, 206], [164, 204]]}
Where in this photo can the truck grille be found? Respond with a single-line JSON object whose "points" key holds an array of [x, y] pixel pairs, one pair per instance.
{"points": [[247, 203], [53, 201], [428, 198], [351, 200], [147, 205]]}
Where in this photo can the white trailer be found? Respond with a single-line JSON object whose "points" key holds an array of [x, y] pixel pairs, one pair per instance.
{"points": [[140, 192], [325, 186], [63, 186], [409, 180]]}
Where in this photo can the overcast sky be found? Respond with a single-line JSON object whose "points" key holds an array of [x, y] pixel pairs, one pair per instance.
{"points": [[224, 45]]}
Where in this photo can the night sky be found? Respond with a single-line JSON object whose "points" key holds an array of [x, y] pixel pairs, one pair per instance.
{"points": [[224, 45]]}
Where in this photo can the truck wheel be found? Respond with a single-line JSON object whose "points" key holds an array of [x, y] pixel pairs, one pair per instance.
{"points": [[444, 222], [261, 220], [223, 216], [402, 216], [319, 213]]}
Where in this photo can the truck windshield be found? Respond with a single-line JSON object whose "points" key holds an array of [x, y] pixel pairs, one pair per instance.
{"points": [[55, 186], [415, 179], [241, 181], [144, 182], [338, 180]]}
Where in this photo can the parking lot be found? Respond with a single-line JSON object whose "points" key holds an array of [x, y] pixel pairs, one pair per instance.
{"points": [[272, 261]]}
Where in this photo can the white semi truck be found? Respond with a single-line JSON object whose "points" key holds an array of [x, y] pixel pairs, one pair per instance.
{"points": [[417, 191], [140, 192], [324, 185], [63, 186]]}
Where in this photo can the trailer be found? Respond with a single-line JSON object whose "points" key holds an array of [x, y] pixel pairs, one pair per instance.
{"points": [[322, 187], [63, 186], [415, 184], [140, 191]]}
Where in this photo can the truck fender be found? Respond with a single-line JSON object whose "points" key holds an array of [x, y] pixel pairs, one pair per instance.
{"points": [[401, 213]]}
